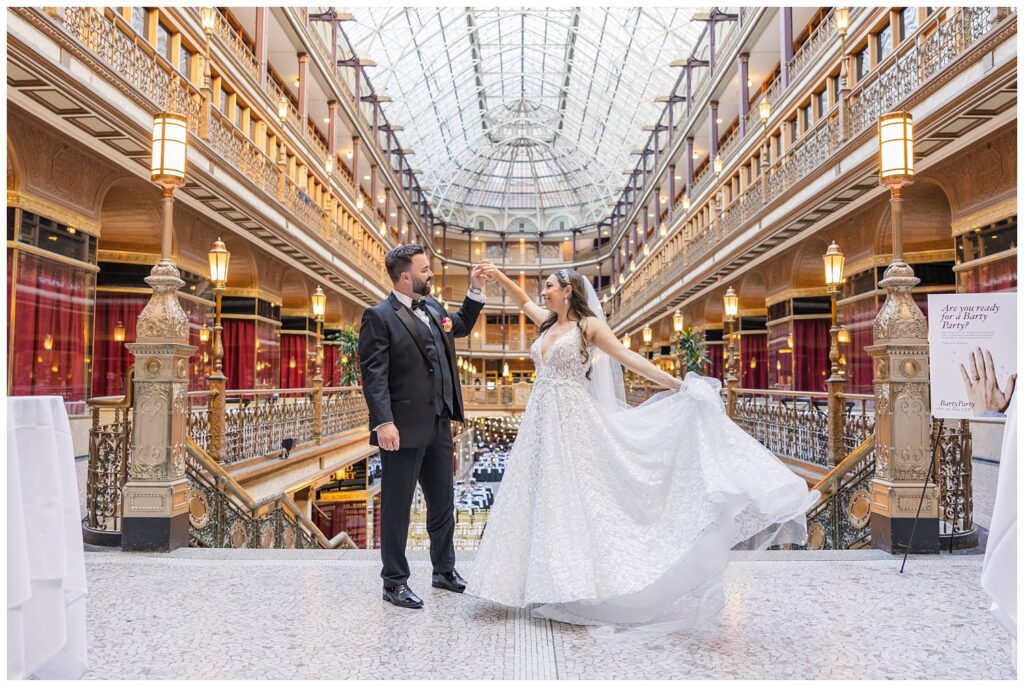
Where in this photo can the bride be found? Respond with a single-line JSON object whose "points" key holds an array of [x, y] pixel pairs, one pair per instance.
{"points": [[620, 517]]}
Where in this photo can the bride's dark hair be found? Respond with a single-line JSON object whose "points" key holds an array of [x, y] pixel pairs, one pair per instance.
{"points": [[577, 306]]}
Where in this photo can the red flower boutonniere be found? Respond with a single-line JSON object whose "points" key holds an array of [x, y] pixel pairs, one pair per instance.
{"points": [[447, 324]]}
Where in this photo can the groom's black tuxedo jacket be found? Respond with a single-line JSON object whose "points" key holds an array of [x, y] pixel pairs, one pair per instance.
{"points": [[397, 368]]}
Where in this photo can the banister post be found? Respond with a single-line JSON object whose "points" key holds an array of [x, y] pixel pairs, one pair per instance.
{"points": [[836, 419]]}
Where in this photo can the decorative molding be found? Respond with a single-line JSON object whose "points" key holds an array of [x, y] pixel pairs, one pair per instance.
{"points": [[47, 208]]}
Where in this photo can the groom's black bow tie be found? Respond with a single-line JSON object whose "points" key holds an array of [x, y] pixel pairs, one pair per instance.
{"points": [[419, 305]]}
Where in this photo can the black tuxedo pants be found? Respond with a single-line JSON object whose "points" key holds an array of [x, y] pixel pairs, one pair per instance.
{"points": [[431, 466]]}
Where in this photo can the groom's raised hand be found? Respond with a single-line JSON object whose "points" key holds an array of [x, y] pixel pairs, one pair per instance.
{"points": [[478, 276]]}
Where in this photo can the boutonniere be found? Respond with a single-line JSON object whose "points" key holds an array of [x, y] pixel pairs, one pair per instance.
{"points": [[446, 323]]}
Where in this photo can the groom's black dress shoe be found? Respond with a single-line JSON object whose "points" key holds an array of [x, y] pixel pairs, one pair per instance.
{"points": [[452, 581], [403, 597]]}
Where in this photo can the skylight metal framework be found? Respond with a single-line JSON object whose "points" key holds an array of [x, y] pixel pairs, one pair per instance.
{"points": [[523, 109]]}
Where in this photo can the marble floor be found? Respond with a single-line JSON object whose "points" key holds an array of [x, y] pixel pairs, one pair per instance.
{"points": [[318, 614]]}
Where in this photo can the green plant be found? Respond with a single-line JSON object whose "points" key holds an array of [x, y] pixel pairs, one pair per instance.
{"points": [[692, 352], [348, 356]]}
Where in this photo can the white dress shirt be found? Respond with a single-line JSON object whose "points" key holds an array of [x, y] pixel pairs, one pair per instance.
{"points": [[425, 318]]}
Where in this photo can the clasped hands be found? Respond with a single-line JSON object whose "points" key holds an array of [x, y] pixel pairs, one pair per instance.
{"points": [[482, 273]]}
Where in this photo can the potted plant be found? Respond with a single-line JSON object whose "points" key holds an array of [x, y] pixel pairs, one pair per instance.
{"points": [[692, 352]]}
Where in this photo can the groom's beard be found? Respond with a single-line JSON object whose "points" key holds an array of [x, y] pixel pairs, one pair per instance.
{"points": [[421, 288]]}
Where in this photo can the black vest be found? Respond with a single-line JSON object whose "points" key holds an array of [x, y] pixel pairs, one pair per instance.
{"points": [[443, 394]]}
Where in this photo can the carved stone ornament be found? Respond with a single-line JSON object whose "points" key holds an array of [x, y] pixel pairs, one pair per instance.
{"points": [[163, 320], [288, 538], [899, 317], [238, 536], [882, 464], [153, 366], [858, 509], [198, 508]]}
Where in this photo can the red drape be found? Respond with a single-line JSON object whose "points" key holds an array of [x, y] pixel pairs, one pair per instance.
{"points": [[111, 359], [293, 361], [331, 371], [239, 352], [810, 354], [754, 357], [51, 330], [716, 368], [1000, 275]]}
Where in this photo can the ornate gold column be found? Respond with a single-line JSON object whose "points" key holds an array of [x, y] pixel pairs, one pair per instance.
{"points": [[900, 359], [155, 503]]}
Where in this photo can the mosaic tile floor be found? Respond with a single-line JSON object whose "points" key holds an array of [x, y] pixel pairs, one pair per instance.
{"points": [[259, 614]]}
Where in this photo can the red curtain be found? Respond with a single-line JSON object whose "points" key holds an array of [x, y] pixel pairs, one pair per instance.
{"points": [[1000, 275], [239, 352], [716, 368], [331, 371], [754, 357], [111, 359], [50, 322], [293, 361], [810, 354]]}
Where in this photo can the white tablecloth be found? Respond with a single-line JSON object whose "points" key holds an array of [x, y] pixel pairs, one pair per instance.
{"points": [[45, 560], [999, 570]]}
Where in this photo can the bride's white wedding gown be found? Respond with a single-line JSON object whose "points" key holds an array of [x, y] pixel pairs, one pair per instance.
{"points": [[626, 518]]}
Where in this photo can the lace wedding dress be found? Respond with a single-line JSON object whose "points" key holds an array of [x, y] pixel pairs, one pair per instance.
{"points": [[625, 518]]}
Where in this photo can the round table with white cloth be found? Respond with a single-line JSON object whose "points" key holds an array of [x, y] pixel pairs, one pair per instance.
{"points": [[45, 558]]}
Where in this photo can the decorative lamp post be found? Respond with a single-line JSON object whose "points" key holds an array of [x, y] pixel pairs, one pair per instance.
{"points": [[319, 308], [731, 303], [627, 341], [903, 456], [119, 332], [834, 262], [719, 164], [204, 333], [155, 503], [218, 257], [678, 322]]}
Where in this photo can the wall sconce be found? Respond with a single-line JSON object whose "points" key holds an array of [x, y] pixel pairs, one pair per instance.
{"points": [[204, 334], [118, 332]]}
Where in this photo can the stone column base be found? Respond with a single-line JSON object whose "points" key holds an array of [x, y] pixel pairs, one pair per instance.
{"points": [[892, 517], [155, 517]]}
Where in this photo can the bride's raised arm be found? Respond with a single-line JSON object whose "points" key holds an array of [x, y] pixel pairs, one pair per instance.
{"points": [[601, 335], [521, 298]]}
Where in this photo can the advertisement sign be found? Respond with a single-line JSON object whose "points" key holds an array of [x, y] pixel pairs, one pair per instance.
{"points": [[972, 354]]}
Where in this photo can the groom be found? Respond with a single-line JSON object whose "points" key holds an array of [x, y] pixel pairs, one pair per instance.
{"points": [[411, 385]]}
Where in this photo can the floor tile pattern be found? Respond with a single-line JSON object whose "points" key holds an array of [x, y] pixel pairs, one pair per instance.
{"points": [[255, 614]]}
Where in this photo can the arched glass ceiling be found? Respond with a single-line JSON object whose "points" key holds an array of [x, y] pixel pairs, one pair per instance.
{"points": [[523, 109]]}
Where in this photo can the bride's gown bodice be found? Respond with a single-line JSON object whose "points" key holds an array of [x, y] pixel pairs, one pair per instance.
{"points": [[625, 517]]}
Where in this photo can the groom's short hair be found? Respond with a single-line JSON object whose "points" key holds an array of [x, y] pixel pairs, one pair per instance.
{"points": [[399, 258]]}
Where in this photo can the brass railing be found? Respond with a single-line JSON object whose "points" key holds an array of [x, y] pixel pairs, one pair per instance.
{"points": [[791, 424], [222, 514], [841, 519], [110, 447], [344, 409], [954, 452], [258, 420]]}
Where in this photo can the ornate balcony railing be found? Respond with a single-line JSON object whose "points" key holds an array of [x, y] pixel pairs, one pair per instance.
{"points": [[822, 35], [223, 515], [513, 395], [258, 420], [936, 45], [344, 409], [954, 475], [304, 207], [110, 447], [858, 419], [230, 39], [912, 64], [841, 518], [790, 423], [148, 73]]}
